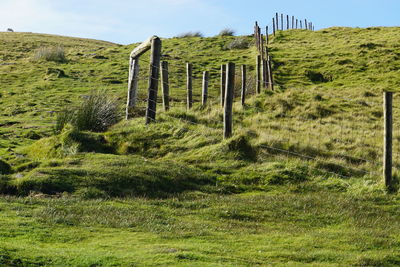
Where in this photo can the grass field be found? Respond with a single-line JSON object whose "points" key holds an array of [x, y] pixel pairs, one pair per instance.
{"points": [[299, 183]]}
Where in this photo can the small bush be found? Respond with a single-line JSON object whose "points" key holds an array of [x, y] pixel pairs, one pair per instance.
{"points": [[226, 32], [238, 43], [55, 54], [96, 113], [189, 34]]}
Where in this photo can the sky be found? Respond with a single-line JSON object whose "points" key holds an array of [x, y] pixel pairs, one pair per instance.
{"points": [[130, 21]]}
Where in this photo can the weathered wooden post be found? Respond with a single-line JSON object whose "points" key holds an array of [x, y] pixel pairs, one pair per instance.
{"points": [[305, 24], [165, 84], [153, 80], [258, 74], [243, 93], [264, 73], [204, 94], [277, 21], [132, 85], [223, 82], [230, 87], [301, 24], [267, 34], [273, 26], [262, 45], [292, 22], [297, 23], [281, 22], [189, 85], [388, 136], [287, 22], [270, 76]]}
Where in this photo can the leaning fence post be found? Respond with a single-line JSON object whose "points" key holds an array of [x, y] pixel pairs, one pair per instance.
{"points": [[223, 81], [189, 85], [388, 135], [258, 74], [165, 84], [132, 85], [204, 94], [230, 87], [153, 80], [243, 94]]}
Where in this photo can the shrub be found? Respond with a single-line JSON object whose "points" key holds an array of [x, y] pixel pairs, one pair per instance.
{"points": [[238, 43], [189, 34], [96, 113], [55, 54], [226, 32]]}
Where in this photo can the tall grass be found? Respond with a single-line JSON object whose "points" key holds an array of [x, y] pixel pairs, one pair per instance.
{"points": [[97, 112], [227, 32], [56, 54], [189, 34]]}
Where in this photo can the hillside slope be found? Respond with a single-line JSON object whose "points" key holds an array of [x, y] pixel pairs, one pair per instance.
{"points": [[298, 184]]}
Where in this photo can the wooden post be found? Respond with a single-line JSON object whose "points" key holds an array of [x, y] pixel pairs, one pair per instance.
{"points": [[165, 84], [277, 22], [301, 24], [267, 34], [292, 22], [189, 85], [230, 87], [153, 80], [287, 22], [273, 26], [243, 93], [262, 45], [132, 85], [297, 23], [264, 73], [223, 82], [258, 74], [270, 76], [388, 135], [305, 24], [281, 22], [204, 94], [256, 31]]}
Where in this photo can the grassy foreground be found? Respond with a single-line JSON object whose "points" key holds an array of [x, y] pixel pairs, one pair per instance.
{"points": [[279, 228]]}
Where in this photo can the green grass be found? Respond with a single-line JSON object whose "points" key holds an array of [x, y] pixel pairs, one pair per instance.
{"points": [[299, 183], [277, 228]]}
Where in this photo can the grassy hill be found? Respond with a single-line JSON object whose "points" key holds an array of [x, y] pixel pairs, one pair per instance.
{"points": [[299, 182]]}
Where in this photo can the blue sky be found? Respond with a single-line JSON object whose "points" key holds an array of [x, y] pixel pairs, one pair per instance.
{"points": [[129, 21]]}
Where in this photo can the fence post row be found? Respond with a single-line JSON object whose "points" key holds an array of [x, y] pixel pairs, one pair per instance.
{"points": [[204, 94], [388, 136], [223, 81], [229, 91], [165, 84], [189, 86], [243, 92]]}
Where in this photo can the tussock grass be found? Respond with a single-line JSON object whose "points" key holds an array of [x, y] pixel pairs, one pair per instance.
{"points": [[55, 54]]}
